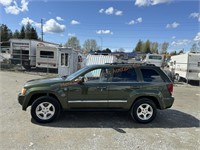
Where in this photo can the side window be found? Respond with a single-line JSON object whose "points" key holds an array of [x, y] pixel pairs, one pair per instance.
{"points": [[97, 75], [46, 54], [124, 75], [150, 75]]}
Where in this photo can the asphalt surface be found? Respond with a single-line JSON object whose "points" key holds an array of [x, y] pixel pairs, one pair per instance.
{"points": [[174, 128]]}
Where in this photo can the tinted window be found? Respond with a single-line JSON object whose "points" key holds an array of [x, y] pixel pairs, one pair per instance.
{"points": [[97, 75], [124, 75], [150, 75]]}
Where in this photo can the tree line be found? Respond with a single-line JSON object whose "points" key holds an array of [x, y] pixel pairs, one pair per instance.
{"points": [[89, 45], [26, 32]]}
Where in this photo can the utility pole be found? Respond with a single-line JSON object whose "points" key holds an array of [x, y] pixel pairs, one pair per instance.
{"points": [[42, 29]]}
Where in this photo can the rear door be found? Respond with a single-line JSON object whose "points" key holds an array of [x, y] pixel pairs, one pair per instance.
{"points": [[123, 84]]}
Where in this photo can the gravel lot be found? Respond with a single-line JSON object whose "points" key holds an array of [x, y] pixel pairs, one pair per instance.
{"points": [[175, 128]]}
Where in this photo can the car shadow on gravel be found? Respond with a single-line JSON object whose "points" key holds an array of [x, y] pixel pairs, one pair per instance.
{"points": [[169, 118]]}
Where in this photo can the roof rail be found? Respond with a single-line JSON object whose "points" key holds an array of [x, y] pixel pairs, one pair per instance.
{"points": [[138, 64]]}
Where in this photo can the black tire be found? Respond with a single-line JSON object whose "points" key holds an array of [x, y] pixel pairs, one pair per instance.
{"points": [[143, 110], [45, 109]]}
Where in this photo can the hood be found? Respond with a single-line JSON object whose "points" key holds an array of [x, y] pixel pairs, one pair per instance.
{"points": [[45, 81]]}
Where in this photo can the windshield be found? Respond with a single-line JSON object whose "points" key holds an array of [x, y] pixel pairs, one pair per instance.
{"points": [[75, 74]]}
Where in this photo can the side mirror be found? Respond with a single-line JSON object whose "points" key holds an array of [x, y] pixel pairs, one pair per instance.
{"points": [[80, 80]]}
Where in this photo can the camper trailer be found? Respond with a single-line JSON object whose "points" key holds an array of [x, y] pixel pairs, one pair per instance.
{"points": [[186, 66], [23, 51], [155, 59], [46, 56], [69, 61]]}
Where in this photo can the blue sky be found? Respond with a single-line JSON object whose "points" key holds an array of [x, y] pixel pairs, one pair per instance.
{"points": [[114, 24]]}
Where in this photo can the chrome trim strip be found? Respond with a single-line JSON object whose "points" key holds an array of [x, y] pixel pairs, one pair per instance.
{"points": [[98, 101]]}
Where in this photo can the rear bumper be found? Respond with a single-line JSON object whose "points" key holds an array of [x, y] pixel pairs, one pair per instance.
{"points": [[168, 102]]}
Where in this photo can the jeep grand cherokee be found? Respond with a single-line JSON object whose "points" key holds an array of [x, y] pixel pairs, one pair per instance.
{"points": [[138, 88]]}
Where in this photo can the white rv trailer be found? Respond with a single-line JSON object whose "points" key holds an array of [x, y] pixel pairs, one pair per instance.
{"points": [[155, 59], [46, 56], [186, 66], [68, 61], [102, 59], [23, 51]]}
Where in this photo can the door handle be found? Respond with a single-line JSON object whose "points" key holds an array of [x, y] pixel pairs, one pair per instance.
{"points": [[101, 88]]}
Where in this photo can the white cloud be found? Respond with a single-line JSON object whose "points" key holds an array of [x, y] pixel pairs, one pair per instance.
{"points": [[118, 13], [51, 26], [195, 15], [104, 32], [131, 22], [101, 10], [138, 20], [111, 11], [33, 23], [11, 7], [173, 25], [181, 42], [71, 34], [197, 37], [74, 22], [6, 2], [150, 2], [59, 18], [173, 37]]}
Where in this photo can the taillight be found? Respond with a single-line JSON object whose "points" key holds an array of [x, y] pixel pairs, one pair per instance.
{"points": [[170, 88]]}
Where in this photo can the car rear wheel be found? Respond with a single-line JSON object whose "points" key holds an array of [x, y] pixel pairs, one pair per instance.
{"points": [[45, 109], [144, 110]]}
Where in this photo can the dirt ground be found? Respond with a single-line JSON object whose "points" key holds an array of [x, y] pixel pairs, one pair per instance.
{"points": [[174, 128]]}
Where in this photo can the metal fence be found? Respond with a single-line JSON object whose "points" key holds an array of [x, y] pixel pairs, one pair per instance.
{"points": [[19, 62]]}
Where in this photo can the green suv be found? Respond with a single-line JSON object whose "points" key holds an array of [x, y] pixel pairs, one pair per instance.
{"points": [[138, 88]]}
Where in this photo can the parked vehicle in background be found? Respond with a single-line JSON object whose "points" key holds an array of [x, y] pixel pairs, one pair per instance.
{"points": [[155, 59], [137, 88], [23, 51], [186, 66], [103, 58]]}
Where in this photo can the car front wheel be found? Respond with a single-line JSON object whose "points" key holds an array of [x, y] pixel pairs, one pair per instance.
{"points": [[144, 110], [45, 109]]}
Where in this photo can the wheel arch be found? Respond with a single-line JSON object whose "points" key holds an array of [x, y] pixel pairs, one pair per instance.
{"points": [[154, 99], [42, 94]]}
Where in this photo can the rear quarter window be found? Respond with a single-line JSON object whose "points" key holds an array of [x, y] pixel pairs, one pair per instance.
{"points": [[151, 75]]}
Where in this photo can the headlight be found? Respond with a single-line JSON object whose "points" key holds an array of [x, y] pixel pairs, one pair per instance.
{"points": [[23, 91]]}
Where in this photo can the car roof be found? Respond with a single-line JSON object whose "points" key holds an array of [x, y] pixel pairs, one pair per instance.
{"points": [[124, 64]]}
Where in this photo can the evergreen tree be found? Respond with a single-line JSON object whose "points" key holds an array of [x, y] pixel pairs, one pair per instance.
{"points": [[33, 34], [138, 47], [6, 33], [16, 34], [22, 33], [147, 47], [28, 31]]}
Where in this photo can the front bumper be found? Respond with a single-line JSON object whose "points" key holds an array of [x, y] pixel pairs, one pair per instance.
{"points": [[21, 99]]}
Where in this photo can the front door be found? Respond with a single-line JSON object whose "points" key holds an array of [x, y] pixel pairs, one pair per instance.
{"points": [[92, 93]]}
